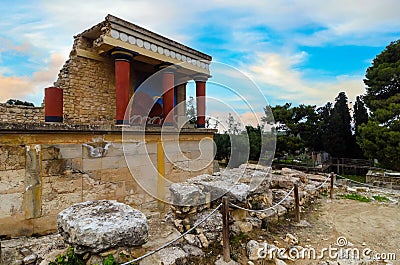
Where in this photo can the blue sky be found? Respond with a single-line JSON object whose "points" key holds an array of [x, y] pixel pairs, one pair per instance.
{"points": [[295, 51]]}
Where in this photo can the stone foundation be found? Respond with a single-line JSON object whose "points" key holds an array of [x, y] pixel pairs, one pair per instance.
{"points": [[46, 169]]}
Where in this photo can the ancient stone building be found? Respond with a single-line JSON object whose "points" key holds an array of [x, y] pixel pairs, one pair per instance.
{"points": [[88, 142]]}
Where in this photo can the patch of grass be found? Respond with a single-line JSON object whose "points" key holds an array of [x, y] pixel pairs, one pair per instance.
{"points": [[325, 194], [237, 239], [361, 179], [380, 198], [277, 173], [355, 197]]}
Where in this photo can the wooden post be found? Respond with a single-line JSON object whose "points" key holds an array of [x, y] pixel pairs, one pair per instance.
{"points": [[297, 202], [225, 229], [332, 180]]}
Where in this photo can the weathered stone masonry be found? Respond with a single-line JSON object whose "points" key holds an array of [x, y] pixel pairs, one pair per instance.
{"points": [[43, 172], [21, 114], [77, 155], [90, 82]]}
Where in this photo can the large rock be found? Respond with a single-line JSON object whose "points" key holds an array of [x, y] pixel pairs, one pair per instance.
{"points": [[204, 188], [220, 185], [187, 194], [94, 226]]}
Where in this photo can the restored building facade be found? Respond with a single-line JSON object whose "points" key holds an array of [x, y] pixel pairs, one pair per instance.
{"points": [[74, 148]]}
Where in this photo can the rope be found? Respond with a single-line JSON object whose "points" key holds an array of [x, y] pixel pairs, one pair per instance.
{"points": [[365, 184], [323, 183], [261, 211], [176, 239]]}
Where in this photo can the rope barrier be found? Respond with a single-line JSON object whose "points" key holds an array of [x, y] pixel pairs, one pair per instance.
{"points": [[174, 240], [264, 210], [365, 184], [280, 202]]}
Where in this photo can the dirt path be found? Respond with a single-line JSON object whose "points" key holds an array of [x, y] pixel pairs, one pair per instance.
{"points": [[372, 225]]}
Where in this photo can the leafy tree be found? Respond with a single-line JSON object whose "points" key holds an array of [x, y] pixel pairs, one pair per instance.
{"points": [[324, 115], [19, 102], [296, 128], [288, 144], [360, 115], [191, 111], [233, 126], [254, 135], [380, 136], [337, 140], [223, 146]]}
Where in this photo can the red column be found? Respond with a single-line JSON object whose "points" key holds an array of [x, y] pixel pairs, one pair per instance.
{"points": [[53, 104], [168, 84], [122, 83], [201, 101]]}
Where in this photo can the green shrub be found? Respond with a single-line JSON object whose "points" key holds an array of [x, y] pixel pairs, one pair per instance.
{"points": [[380, 198], [356, 197], [71, 258]]}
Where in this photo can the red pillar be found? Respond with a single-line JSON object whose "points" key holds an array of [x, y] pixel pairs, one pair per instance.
{"points": [[168, 84], [201, 101], [53, 104], [122, 83]]}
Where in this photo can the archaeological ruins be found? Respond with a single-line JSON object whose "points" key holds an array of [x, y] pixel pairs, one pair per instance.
{"points": [[71, 149]]}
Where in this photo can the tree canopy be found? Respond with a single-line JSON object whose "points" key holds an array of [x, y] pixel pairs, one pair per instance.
{"points": [[19, 102], [338, 137], [380, 136]]}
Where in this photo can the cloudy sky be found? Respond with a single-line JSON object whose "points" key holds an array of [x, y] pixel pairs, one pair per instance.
{"points": [[295, 51]]}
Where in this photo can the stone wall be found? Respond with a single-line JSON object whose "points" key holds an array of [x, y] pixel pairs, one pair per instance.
{"points": [[88, 87], [21, 114], [383, 181], [42, 173]]}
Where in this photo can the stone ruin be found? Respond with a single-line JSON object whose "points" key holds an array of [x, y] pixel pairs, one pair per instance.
{"points": [[96, 226], [97, 240]]}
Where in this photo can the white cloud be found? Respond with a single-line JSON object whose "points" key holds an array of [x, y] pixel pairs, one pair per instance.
{"points": [[50, 25], [22, 87], [279, 77]]}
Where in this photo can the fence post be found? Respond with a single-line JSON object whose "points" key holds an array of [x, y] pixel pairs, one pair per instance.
{"points": [[225, 229], [332, 181], [297, 202]]}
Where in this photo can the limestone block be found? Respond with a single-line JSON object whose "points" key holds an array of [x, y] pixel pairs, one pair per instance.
{"points": [[62, 184], [115, 149], [52, 205], [53, 167], [253, 248], [187, 194], [171, 147], [95, 226], [74, 164], [89, 164], [141, 160], [116, 175], [201, 164], [96, 189], [113, 162], [150, 148], [12, 181], [32, 195], [15, 225], [45, 225], [12, 157], [70, 150], [50, 152], [11, 204]]}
